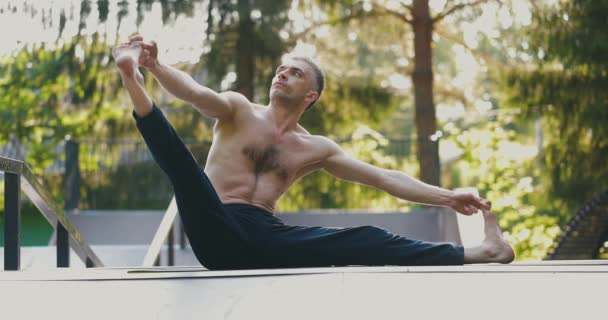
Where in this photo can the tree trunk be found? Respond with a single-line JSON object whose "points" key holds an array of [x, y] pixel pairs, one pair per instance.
{"points": [[426, 123], [245, 51]]}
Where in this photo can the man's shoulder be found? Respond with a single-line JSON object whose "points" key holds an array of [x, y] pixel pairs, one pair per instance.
{"points": [[319, 138], [323, 143], [301, 130], [240, 104], [235, 98]]}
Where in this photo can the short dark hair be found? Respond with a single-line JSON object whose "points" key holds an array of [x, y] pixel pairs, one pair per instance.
{"points": [[319, 74]]}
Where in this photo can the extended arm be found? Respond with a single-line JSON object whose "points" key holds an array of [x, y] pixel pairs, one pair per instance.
{"points": [[398, 184], [180, 84]]}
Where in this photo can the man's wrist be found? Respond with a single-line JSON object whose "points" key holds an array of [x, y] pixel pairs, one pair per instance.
{"points": [[155, 69], [446, 198]]}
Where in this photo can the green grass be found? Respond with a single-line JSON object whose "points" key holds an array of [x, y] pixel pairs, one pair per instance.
{"points": [[35, 229]]}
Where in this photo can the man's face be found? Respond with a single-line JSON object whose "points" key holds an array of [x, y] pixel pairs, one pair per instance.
{"points": [[293, 81]]}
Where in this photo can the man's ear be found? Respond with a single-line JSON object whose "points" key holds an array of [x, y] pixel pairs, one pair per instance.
{"points": [[312, 96]]}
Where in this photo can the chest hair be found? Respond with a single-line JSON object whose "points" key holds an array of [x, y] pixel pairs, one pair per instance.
{"points": [[266, 160]]}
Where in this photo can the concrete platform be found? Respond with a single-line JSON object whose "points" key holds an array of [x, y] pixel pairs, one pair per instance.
{"points": [[41, 258], [543, 290]]}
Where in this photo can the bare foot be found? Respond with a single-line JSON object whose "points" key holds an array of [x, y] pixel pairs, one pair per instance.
{"points": [[126, 56], [494, 248]]}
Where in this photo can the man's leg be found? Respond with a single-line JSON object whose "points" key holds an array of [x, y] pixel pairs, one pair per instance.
{"points": [[284, 246], [291, 246], [126, 59], [199, 205], [297, 246]]}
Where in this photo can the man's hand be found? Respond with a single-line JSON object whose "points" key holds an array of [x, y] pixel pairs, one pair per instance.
{"points": [[468, 204], [149, 55], [183, 86]]}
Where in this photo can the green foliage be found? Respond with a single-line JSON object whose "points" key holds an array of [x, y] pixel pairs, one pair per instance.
{"points": [[357, 61], [502, 167], [566, 87], [50, 93], [321, 190], [47, 93], [68, 90], [114, 176], [114, 188], [345, 105], [575, 35], [240, 35]]}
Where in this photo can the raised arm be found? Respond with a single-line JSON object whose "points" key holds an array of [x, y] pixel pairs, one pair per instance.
{"points": [[398, 184], [183, 86]]}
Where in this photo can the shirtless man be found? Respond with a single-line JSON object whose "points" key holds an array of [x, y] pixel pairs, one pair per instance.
{"points": [[257, 153]]}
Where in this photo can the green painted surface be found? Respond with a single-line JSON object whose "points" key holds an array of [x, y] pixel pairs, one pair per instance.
{"points": [[35, 230]]}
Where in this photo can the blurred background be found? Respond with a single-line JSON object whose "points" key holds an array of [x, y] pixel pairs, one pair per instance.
{"points": [[510, 97]]}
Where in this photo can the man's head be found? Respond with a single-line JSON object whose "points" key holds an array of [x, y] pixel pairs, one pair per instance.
{"points": [[298, 79]]}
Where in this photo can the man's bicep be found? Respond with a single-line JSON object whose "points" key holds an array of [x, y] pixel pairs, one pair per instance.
{"points": [[213, 104], [345, 167]]}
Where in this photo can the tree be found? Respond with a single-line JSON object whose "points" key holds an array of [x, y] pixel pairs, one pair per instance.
{"points": [[244, 38], [565, 85], [417, 15], [48, 94]]}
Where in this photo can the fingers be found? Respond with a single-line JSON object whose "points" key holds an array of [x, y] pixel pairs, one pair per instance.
{"points": [[468, 210], [146, 46], [152, 47], [482, 204], [487, 204], [469, 204], [145, 58], [139, 40], [471, 209], [136, 37], [136, 43]]}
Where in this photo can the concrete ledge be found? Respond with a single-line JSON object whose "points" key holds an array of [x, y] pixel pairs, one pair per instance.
{"points": [[545, 291], [192, 272]]}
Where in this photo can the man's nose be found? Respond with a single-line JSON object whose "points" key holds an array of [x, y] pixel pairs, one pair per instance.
{"points": [[282, 75]]}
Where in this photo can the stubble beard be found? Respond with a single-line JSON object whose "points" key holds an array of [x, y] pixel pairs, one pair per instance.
{"points": [[284, 99]]}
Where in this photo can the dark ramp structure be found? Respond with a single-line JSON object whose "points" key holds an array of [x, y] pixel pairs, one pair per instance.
{"points": [[586, 235]]}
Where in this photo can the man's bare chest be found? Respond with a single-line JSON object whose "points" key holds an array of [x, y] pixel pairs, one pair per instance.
{"points": [[283, 158], [267, 159], [264, 151]]}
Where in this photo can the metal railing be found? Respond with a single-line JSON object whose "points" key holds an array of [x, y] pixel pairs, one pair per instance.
{"points": [[18, 177]]}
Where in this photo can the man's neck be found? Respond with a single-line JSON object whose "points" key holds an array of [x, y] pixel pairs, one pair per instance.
{"points": [[285, 118]]}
